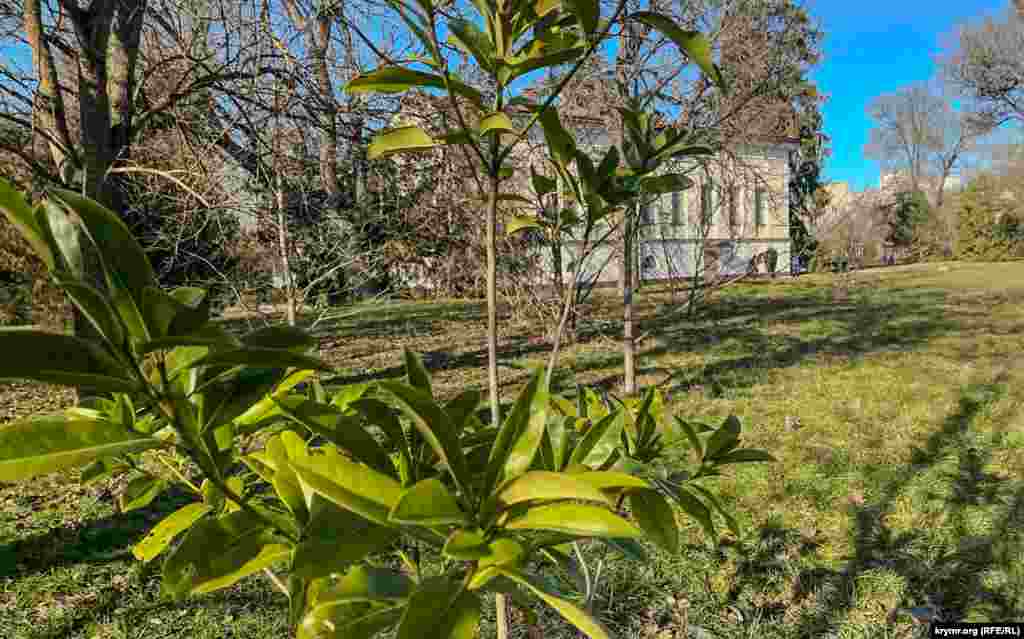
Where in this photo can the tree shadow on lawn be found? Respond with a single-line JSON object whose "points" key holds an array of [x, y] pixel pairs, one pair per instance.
{"points": [[954, 579], [99, 541], [903, 323]]}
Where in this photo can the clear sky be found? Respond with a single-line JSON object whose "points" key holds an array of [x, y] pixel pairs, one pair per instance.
{"points": [[873, 47]]}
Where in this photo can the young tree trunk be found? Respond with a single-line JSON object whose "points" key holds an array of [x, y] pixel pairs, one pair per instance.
{"points": [[628, 342], [500, 602]]}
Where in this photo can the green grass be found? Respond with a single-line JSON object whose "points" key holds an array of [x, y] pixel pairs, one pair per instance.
{"points": [[896, 416]]}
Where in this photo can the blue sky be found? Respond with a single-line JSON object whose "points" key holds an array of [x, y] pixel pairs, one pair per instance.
{"points": [[874, 47]]}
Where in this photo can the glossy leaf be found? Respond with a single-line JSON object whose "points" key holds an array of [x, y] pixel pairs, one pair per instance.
{"points": [[335, 538], [96, 309], [416, 372], [347, 621], [716, 504], [352, 486], [400, 140], [141, 492], [519, 222], [401, 79], [61, 359], [467, 36], [694, 508], [160, 536], [428, 503], [434, 424], [724, 439], [218, 552], [496, 122], [119, 250], [611, 480], [20, 215], [560, 143], [466, 545], [41, 445], [572, 613], [542, 184], [254, 357], [539, 485], [600, 441], [63, 235], [691, 435], [440, 608], [656, 518], [743, 455], [520, 435], [693, 43], [345, 432], [668, 183], [574, 519]]}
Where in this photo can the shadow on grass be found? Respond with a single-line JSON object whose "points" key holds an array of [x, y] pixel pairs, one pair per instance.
{"points": [[952, 579], [99, 541]]}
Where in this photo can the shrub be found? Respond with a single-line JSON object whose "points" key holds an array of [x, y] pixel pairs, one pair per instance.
{"points": [[321, 483]]}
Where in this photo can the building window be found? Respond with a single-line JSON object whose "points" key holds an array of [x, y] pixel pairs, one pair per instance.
{"points": [[706, 191], [759, 207], [677, 208]]}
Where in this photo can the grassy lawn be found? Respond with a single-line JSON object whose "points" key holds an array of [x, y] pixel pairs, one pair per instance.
{"points": [[896, 414]]}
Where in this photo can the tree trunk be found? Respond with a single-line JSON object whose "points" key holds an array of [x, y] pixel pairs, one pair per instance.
{"points": [[283, 246], [628, 342]]}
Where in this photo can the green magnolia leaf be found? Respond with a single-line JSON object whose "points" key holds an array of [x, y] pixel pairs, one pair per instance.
{"points": [[283, 337], [218, 552], [41, 445], [336, 538], [611, 480], [20, 215], [141, 492], [400, 140], [503, 551], [462, 408], [267, 407], [364, 583], [419, 376], [716, 504], [63, 234], [161, 536], [428, 503], [742, 455], [588, 12], [61, 359], [693, 43], [401, 79], [440, 608], [539, 485], [656, 518], [347, 621], [691, 435], [345, 432], [119, 251], [548, 59], [280, 449], [574, 519], [261, 358], [496, 122], [694, 508], [519, 438], [669, 183], [600, 441], [572, 613], [519, 222], [467, 36], [560, 143], [95, 307], [434, 424], [542, 184], [544, 7], [628, 548], [360, 489], [724, 439], [466, 544]]}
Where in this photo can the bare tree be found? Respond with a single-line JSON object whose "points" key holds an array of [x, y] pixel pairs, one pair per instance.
{"points": [[918, 131], [986, 64]]}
